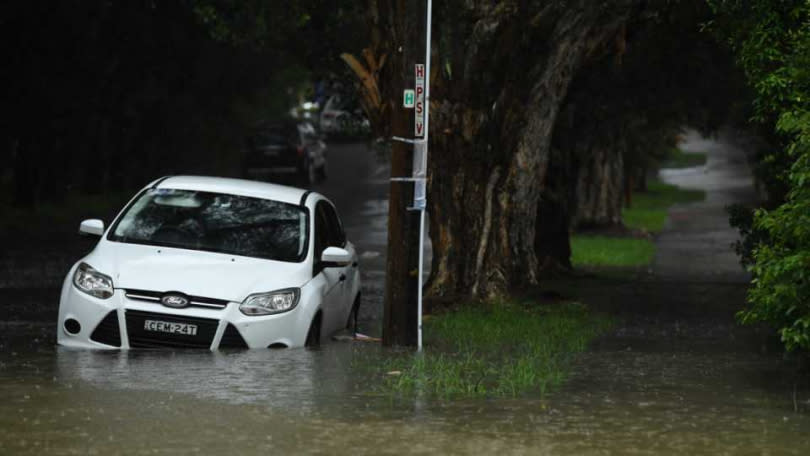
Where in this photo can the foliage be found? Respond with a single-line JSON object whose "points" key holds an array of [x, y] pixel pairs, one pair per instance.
{"points": [[781, 263], [772, 44], [104, 96], [636, 104], [495, 350], [314, 31], [741, 217], [601, 251]]}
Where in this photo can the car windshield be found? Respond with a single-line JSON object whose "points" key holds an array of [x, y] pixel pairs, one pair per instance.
{"points": [[215, 222]]}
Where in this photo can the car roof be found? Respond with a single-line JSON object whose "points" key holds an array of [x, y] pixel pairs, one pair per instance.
{"points": [[241, 187]]}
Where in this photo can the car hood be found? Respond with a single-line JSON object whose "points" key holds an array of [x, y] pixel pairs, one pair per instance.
{"points": [[195, 273]]}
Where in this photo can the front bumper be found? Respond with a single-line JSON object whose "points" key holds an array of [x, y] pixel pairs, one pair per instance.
{"points": [[118, 323]]}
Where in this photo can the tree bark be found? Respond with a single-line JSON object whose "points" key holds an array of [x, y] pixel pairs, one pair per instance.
{"points": [[491, 132], [600, 184]]}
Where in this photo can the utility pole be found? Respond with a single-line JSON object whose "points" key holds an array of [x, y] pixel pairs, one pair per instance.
{"points": [[402, 318]]}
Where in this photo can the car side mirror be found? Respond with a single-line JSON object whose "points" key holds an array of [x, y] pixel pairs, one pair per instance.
{"points": [[333, 257], [92, 227]]}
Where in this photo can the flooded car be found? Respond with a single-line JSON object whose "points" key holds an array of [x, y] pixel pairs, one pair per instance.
{"points": [[204, 262]]}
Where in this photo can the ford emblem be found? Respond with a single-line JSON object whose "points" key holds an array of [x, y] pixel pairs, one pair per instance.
{"points": [[174, 301]]}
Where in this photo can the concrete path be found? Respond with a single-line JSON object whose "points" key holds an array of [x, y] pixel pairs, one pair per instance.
{"points": [[696, 242]]}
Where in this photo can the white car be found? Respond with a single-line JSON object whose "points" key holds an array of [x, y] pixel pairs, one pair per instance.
{"points": [[340, 117], [205, 262]]}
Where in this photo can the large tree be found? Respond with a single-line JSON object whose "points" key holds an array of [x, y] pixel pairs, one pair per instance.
{"points": [[495, 108], [501, 197], [503, 72], [624, 111]]}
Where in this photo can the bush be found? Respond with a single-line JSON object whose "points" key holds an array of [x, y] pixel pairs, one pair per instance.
{"points": [[771, 41], [780, 293]]}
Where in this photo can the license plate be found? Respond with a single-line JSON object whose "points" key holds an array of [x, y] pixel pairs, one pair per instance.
{"points": [[170, 327]]}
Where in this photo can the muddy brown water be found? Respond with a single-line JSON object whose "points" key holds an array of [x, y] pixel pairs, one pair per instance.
{"points": [[298, 401], [675, 376]]}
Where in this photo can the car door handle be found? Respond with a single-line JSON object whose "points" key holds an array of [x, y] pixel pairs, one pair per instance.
{"points": [[342, 277]]}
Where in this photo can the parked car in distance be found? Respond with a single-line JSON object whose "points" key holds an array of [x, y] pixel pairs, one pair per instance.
{"points": [[290, 150], [205, 262], [342, 116]]}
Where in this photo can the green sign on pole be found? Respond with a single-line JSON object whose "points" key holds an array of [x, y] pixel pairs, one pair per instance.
{"points": [[409, 98]]}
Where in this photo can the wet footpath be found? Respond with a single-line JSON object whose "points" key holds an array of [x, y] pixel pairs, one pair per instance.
{"points": [[675, 376]]}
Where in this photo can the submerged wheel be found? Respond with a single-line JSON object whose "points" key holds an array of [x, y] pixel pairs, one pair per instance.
{"points": [[314, 333], [351, 322]]}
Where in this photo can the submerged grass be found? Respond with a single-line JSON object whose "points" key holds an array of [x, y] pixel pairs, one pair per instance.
{"points": [[494, 350]]}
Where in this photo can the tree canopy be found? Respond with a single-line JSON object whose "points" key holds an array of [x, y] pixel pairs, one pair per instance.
{"points": [[100, 96]]}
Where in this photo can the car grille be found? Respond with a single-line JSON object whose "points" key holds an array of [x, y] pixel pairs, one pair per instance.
{"points": [[107, 332], [194, 301], [232, 339], [141, 338]]}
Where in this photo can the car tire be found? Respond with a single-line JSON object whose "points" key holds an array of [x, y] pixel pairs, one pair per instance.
{"points": [[351, 322], [314, 333]]}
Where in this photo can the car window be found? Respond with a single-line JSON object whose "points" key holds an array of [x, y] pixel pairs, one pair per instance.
{"points": [[322, 234], [215, 222], [337, 237], [328, 229]]}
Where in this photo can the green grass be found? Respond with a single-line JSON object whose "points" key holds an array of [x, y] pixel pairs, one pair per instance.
{"points": [[648, 213], [611, 251], [494, 350], [680, 159], [648, 210]]}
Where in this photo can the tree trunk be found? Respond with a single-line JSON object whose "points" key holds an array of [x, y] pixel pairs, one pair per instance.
{"points": [[600, 184], [552, 244], [501, 72], [489, 155]]}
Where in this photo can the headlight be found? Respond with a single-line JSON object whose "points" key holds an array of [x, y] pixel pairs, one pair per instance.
{"points": [[93, 282], [270, 303]]}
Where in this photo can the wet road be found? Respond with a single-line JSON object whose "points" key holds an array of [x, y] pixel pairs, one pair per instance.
{"points": [[677, 376]]}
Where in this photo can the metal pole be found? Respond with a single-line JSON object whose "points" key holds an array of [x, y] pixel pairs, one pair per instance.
{"points": [[428, 24]]}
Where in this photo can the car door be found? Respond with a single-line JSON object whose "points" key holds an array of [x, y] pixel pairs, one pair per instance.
{"points": [[347, 275], [332, 301]]}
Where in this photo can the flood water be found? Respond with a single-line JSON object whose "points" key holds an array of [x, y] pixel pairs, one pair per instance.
{"points": [[319, 402], [677, 375]]}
